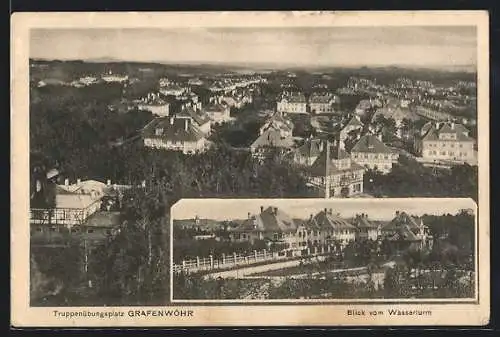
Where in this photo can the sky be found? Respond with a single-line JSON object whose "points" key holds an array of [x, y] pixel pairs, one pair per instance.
{"points": [[377, 209], [321, 46]]}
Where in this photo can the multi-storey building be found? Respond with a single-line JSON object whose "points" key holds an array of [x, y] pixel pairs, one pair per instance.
{"points": [[156, 105], [406, 231], [372, 153], [218, 113], [337, 170], [322, 104], [176, 134], [295, 103], [446, 142], [307, 153]]}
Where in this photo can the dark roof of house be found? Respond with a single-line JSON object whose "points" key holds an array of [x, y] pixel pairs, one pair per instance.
{"points": [[271, 219], [295, 98], [316, 98], [431, 133], [198, 117], [363, 222], [311, 148], [403, 220], [370, 144], [173, 129], [354, 121], [328, 220], [273, 138], [404, 233], [318, 168]]}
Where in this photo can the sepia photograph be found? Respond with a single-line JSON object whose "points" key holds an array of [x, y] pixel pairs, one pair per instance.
{"points": [[312, 249], [118, 117]]}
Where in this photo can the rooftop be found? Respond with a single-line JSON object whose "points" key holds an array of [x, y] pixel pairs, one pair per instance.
{"points": [[170, 128], [370, 144]]}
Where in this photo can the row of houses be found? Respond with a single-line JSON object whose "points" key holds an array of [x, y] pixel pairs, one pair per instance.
{"points": [[326, 228], [297, 103]]}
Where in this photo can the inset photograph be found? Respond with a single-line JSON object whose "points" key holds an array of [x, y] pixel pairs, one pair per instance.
{"points": [[317, 250]]}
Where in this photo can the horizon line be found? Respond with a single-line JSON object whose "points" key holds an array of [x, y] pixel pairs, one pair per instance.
{"points": [[472, 67]]}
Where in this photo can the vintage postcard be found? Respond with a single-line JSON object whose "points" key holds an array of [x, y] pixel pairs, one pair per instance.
{"points": [[250, 169]]}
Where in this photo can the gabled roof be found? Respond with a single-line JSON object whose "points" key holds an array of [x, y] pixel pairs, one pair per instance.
{"points": [[432, 133], [318, 168], [370, 144], [295, 98], [317, 98], [404, 233], [271, 219], [354, 121], [273, 138], [198, 117], [311, 148], [402, 220], [329, 220], [363, 222], [175, 131]]}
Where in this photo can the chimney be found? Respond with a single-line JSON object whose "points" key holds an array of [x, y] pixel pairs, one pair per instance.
{"points": [[325, 210], [249, 215], [78, 181], [261, 209], [330, 211], [66, 182], [108, 182], [275, 210], [397, 213], [311, 217]]}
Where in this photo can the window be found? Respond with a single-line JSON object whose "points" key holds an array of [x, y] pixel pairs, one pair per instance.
{"points": [[90, 231], [243, 236], [38, 229]]}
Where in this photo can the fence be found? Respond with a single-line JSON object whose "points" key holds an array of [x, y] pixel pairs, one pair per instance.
{"points": [[234, 260]]}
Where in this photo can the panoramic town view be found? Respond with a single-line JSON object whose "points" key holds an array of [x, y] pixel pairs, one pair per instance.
{"points": [[122, 126], [272, 253]]}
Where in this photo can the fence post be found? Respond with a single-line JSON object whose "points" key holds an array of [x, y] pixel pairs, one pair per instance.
{"points": [[197, 262], [234, 257], [265, 254], [223, 258], [246, 259], [211, 261], [255, 254], [183, 265]]}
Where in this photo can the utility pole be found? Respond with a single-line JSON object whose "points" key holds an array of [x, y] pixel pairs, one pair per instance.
{"points": [[327, 172]]}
